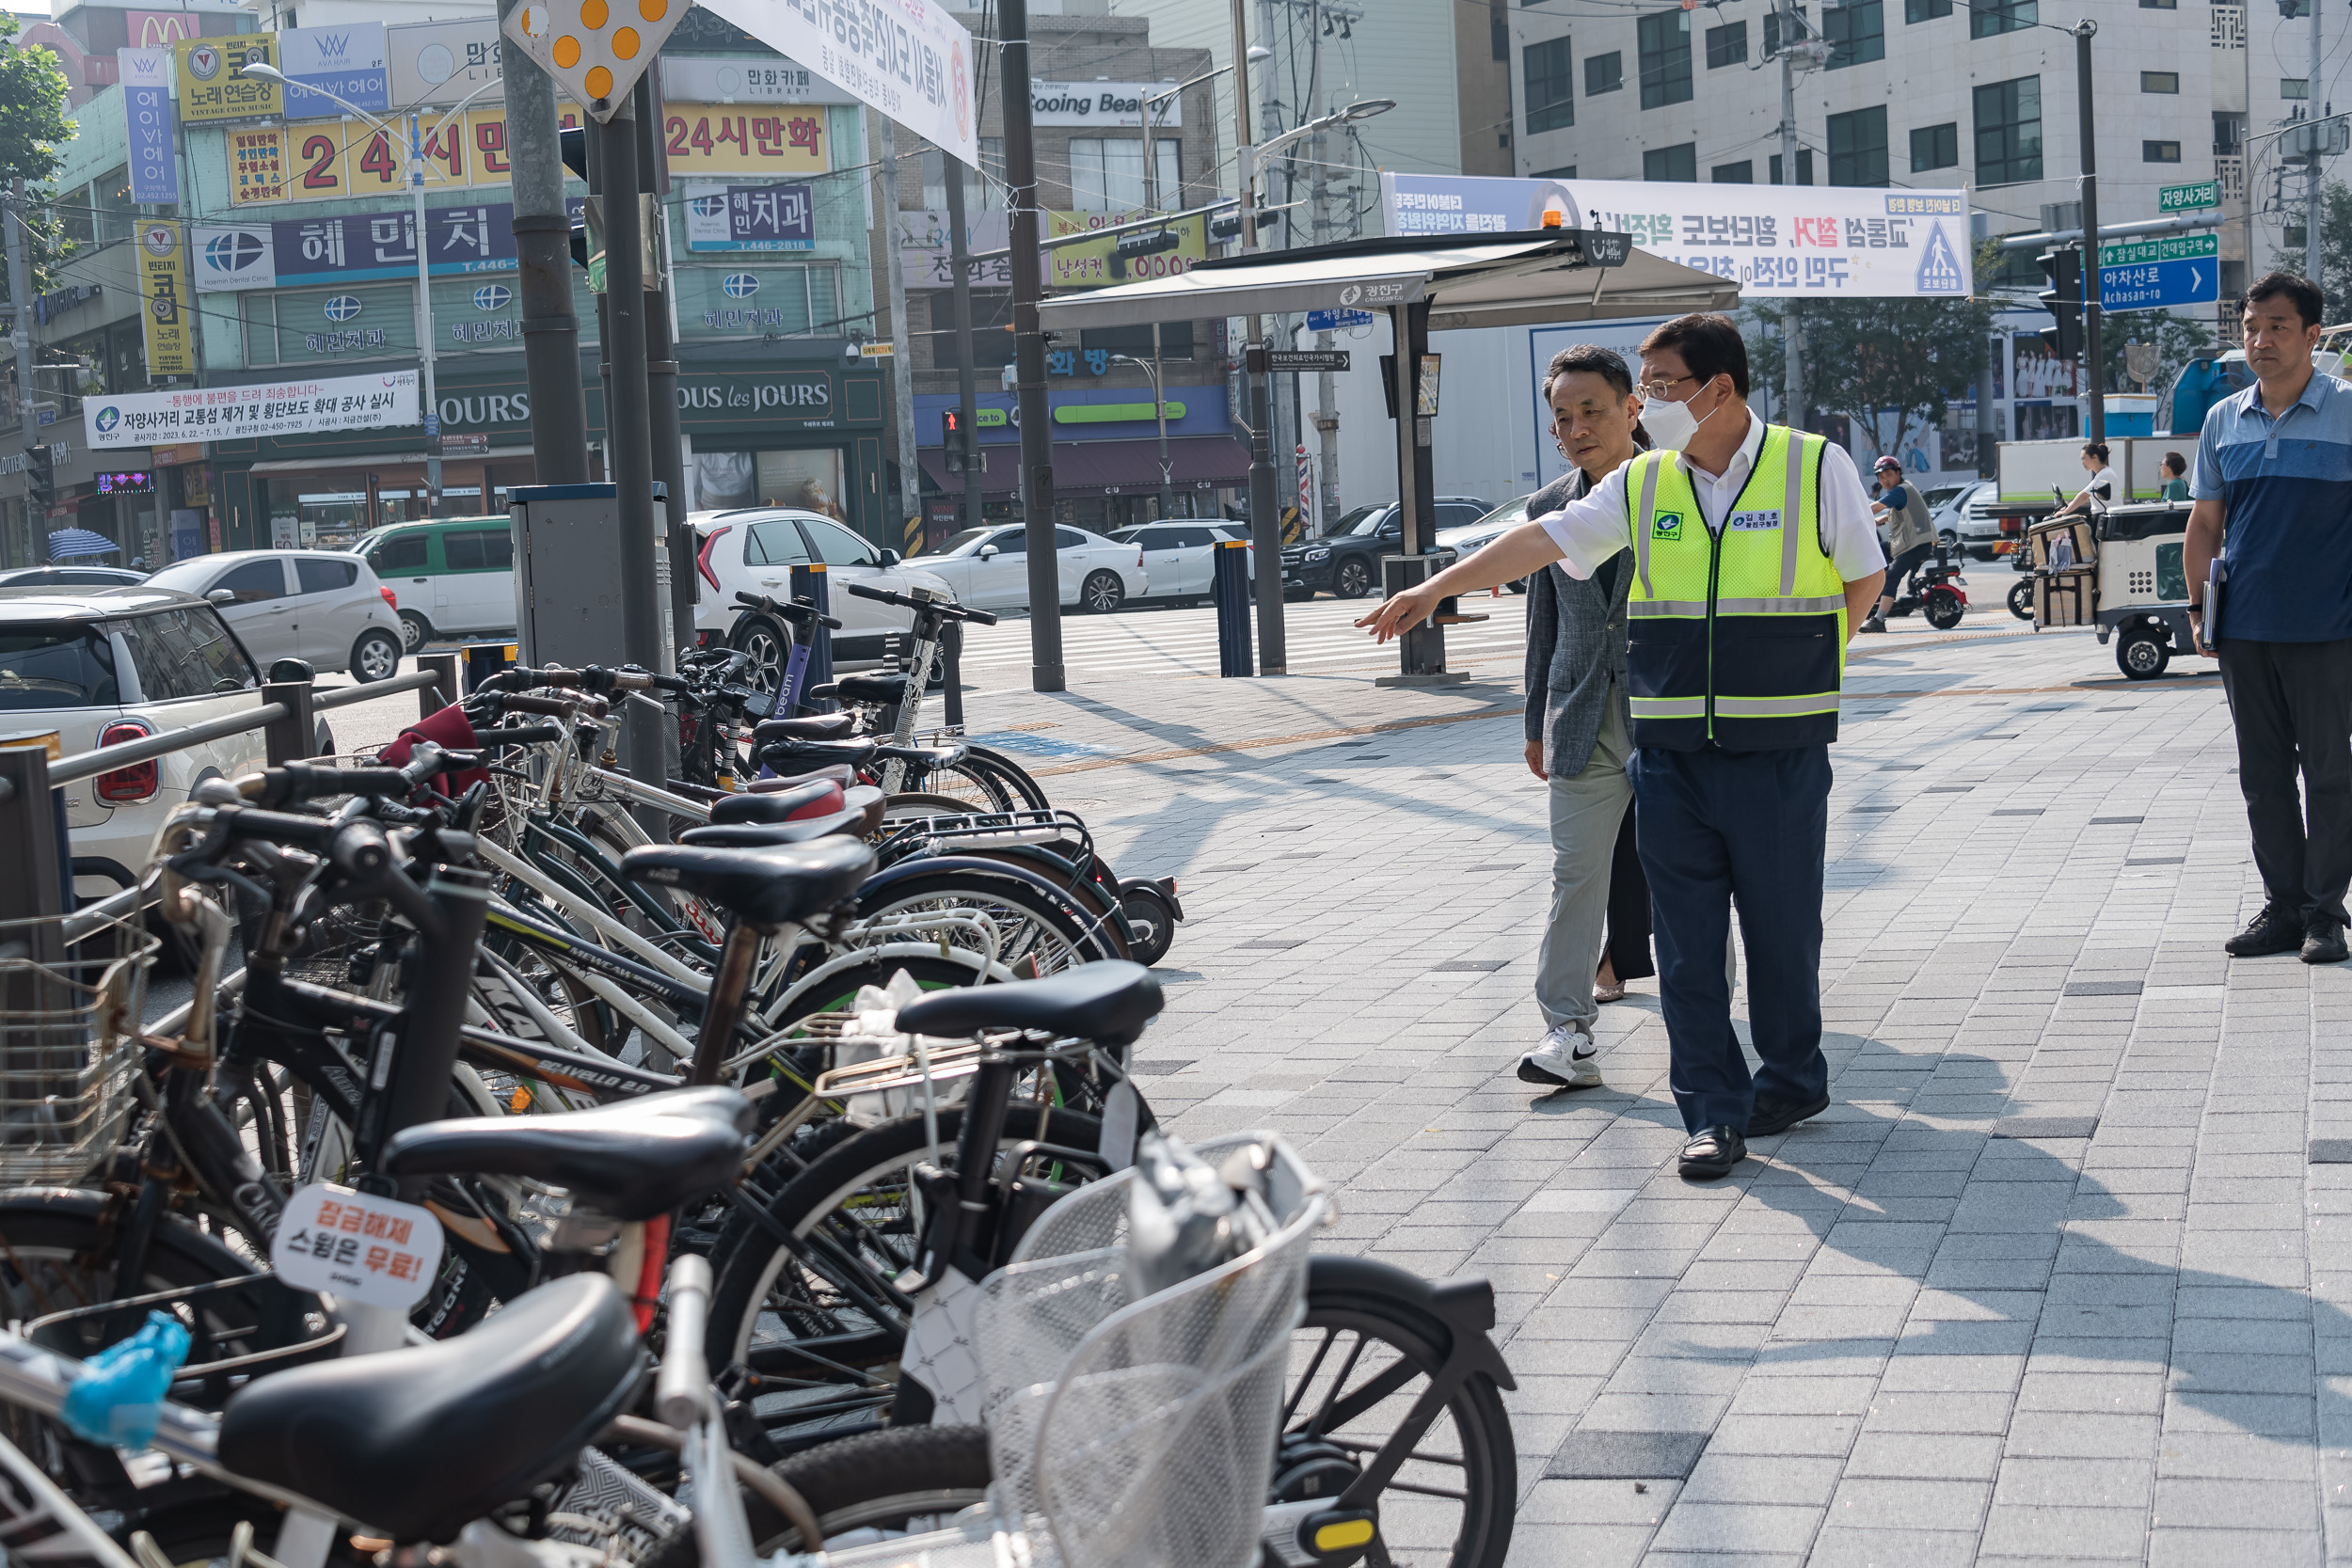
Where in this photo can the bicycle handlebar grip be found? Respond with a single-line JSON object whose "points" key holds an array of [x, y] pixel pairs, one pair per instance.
{"points": [[520, 734], [682, 1387], [360, 849], [280, 827], [554, 707]]}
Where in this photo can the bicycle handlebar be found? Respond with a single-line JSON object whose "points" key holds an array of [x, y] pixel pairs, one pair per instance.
{"points": [[553, 707], [799, 611], [520, 734], [939, 606], [358, 848], [302, 780]]}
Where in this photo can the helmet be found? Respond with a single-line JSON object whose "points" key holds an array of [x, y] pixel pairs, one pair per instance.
{"points": [[1894, 463]]}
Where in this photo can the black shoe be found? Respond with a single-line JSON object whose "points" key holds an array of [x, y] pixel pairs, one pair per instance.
{"points": [[1771, 1115], [2271, 931], [2323, 942], [1712, 1153]]}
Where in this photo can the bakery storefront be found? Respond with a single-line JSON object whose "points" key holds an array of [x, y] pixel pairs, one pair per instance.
{"points": [[799, 437]]}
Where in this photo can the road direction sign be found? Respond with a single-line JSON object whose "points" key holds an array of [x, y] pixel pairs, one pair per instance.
{"points": [[2184, 199], [2153, 285], [1335, 321], [2172, 248], [1307, 359]]}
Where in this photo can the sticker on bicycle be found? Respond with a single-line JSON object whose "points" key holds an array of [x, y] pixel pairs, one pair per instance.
{"points": [[369, 1249]]}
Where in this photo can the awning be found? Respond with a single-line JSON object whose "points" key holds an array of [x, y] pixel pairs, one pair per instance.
{"points": [[1559, 274], [380, 460], [1122, 467]]}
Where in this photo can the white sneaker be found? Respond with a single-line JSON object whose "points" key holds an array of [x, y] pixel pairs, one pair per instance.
{"points": [[1566, 1060]]}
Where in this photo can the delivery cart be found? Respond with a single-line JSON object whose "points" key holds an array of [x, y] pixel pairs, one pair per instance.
{"points": [[2122, 574]]}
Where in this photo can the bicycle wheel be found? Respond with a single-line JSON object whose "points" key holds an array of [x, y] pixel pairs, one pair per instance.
{"points": [[1009, 776], [1037, 935], [865, 1488]]}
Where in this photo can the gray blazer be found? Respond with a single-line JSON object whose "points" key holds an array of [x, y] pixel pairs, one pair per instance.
{"points": [[1575, 649]]}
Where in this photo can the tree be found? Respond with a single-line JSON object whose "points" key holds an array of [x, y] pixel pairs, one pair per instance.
{"points": [[32, 124], [2177, 339], [2335, 252]]}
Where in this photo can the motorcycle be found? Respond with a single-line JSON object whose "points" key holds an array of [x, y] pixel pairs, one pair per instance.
{"points": [[1936, 589]]}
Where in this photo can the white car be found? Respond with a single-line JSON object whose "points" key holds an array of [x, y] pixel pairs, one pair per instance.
{"points": [[323, 607], [989, 569], [1180, 557], [102, 666], [1472, 537], [753, 551]]}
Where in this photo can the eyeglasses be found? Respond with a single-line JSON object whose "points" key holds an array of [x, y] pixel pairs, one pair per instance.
{"points": [[1655, 391]]}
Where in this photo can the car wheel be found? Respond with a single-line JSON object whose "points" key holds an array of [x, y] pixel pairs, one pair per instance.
{"points": [[1351, 579], [2143, 654], [1946, 538], [1103, 593], [415, 630], [376, 656], [769, 646]]}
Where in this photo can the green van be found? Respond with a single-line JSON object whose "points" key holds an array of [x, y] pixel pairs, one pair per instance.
{"points": [[453, 576]]}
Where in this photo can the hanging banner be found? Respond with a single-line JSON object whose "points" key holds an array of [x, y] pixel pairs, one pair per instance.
{"points": [[298, 408], [910, 59], [440, 62], [698, 79], [162, 296], [256, 164], [211, 91], [750, 217], [348, 62], [1777, 242], [146, 77]]}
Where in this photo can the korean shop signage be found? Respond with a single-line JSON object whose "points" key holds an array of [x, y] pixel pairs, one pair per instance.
{"points": [[355, 248], [211, 87], [162, 299]]}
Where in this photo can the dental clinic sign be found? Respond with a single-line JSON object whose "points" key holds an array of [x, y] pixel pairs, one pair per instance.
{"points": [[354, 403]]}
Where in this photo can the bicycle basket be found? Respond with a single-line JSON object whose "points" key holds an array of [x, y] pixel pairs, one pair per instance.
{"points": [[69, 1046]]}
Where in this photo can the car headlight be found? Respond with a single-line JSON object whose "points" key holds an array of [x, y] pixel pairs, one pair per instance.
{"points": [[1318, 555]]}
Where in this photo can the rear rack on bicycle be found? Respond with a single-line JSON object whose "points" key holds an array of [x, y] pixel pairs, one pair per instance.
{"points": [[69, 1046], [1028, 825]]}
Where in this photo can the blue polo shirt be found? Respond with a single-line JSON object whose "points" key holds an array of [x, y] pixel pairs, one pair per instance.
{"points": [[2287, 484]]}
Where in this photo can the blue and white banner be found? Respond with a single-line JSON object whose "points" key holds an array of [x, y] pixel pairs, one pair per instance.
{"points": [[353, 248], [749, 217], [145, 75], [349, 62]]}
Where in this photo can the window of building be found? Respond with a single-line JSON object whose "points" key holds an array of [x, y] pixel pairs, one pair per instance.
{"points": [[2294, 86], [1740, 173], [2159, 152], [1857, 33], [1935, 147], [1771, 31], [1672, 162], [1664, 37], [2009, 131], [117, 214], [1603, 73], [1726, 45], [1564, 173], [2229, 134], [2160, 81], [1987, 18], [2159, 5], [1925, 10], [1106, 173], [1857, 147], [1805, 167], [1551, 105], [979, 183]]}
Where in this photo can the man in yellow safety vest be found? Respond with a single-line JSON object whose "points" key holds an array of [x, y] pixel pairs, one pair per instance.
{"points": [[1754, 555]]}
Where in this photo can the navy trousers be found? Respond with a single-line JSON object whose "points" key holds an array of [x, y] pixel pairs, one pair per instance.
{"points": [[1714, 827]]}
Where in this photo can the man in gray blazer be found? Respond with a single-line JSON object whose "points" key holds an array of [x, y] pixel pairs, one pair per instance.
{"points": [[1579, 730]]}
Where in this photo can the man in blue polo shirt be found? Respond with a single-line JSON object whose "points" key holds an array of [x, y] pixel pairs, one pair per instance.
{"points": [[2274, 463]]}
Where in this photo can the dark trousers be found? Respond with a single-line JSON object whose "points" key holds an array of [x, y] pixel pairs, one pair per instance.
{"points": [[2292, 703], [1628, 908], [1717, 827]]}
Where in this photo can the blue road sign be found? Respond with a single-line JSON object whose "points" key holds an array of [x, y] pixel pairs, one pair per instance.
{"points": [[2153, 285], [1333, 320]]}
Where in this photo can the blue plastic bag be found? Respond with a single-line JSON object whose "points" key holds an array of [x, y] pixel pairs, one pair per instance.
{"points": [[119, 1393]]}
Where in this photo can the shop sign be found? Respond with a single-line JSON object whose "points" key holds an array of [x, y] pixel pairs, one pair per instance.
{"points": [[703, 139], [1088, 265], [354, 248], [382, 401], [173, 456], [349, 62], [750, 217], [211, 90], [790, 397], [440, 62], [146, 77], [696, 79], [159, 29], [163, 298], [256, 164], [926, 256], [1103, 103]]}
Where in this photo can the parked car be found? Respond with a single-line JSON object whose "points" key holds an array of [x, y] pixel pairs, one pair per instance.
{"points": [[1472, 537], [1346, 564], [1180, 557], [1975, 520], [102, 666], [453, 576], [1948, 503], [323, 607], [72, 577], [754, 549], [989, 569]]}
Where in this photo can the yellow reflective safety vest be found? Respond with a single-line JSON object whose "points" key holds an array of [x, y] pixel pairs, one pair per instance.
{"points": [[1737, 637]]}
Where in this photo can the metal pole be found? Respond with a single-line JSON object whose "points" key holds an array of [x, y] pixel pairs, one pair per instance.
{"points": [[1791, 327], [2093, 357], [1326, 416], [425, 346], [543, 226], [1028, 347], [902, 368], [967, 394], [21, 291], [668, 442], [1159, 409], [2315, 198], [36, 884], [294, 736], [1265, 517]]}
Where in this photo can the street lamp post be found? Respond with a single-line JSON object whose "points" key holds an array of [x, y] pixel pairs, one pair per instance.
{"points": [[425, 346], [1159, 410]]}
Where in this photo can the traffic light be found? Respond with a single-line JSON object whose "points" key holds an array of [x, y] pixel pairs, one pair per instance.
{"points": [[41, 480], [2063, 299], [955, 432]]}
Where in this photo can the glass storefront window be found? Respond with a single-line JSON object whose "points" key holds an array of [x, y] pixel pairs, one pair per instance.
{"points": [[810, 479]]}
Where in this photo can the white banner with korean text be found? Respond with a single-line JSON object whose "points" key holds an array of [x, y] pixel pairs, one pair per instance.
{"points": [[907, 59], [299, 407], [1776, 242]]}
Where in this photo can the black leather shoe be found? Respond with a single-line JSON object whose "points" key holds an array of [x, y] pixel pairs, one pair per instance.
{"points": [[2272, 931], [2323, 943], [1712, 1153], [1769, 1115]]}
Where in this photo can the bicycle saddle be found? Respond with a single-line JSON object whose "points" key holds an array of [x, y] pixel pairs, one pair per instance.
{"points": [[780, 754], [1108, 1003], [927, 756], [809, 797], [840, 774], [417, 1443], [817, 726], [885, 690], [764, 835], [632, 1160], [762, 888]]}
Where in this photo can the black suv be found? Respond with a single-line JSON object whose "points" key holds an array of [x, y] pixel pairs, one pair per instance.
{"points": [[1346, 563]]}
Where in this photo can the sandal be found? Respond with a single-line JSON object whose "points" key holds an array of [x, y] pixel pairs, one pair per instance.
{"points": [[1609, 994]]}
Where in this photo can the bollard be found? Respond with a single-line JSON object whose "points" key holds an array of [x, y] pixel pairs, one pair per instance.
{"points": [[951, 673], [1230, 589], [296, 736], [809, 583], [32, 841], [448, 675]]}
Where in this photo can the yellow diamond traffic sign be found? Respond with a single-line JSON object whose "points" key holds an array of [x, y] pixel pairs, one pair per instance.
{"points": [[595, 49]]}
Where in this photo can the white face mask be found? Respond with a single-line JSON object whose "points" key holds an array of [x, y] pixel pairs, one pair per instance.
{"points": [[1671, 425]]}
